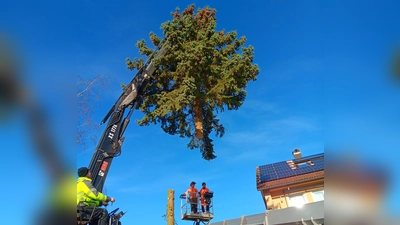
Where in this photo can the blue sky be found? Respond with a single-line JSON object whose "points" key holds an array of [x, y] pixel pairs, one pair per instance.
{"points": [[323, 84]]}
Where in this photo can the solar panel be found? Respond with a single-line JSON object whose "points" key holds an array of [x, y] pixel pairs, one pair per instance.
{"points": [[283, 170], [267, 172]]}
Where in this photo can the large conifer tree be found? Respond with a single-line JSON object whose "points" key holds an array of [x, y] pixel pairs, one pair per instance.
{"points": [[203, 72]]}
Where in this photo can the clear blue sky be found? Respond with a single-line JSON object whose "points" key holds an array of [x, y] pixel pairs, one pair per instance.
{"points": [[323, 83]]}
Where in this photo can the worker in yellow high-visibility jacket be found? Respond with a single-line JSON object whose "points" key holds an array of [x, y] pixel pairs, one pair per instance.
{"points": [[91, 200]]}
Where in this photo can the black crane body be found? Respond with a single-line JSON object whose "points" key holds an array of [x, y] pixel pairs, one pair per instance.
{"points": [[112, 138]]}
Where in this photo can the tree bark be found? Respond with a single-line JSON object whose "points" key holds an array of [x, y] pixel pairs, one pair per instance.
{"points": [[170, 208], [198, 118]]}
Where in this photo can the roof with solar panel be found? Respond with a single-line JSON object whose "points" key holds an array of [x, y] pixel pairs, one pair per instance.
{"points": [[290, 171]]}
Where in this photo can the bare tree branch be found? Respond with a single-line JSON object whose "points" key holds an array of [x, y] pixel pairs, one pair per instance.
{"points": [[89, 86], [89, 92]]}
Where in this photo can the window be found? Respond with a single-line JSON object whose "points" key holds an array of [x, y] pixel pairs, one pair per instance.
{"points": [[302, 165], [318, 195], [297, 200]]}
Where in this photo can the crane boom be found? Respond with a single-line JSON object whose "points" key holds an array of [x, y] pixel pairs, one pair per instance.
{"points": [[112, 138]]}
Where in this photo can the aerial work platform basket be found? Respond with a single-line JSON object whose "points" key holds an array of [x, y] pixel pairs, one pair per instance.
{"points": [[197, 216]]}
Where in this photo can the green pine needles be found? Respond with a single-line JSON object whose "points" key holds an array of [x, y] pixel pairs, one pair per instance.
{"points": [[203, 72]]}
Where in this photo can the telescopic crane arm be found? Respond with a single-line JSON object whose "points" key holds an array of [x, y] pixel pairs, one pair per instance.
{"points": [[112, 138]]}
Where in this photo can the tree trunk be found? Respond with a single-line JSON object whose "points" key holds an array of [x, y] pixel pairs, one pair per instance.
{"points": [[170, 208], [198, 118]]}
